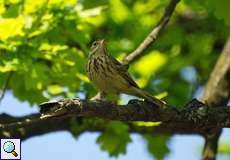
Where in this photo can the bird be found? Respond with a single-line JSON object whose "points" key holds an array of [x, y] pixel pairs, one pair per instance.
{"points": [[109, 76]]}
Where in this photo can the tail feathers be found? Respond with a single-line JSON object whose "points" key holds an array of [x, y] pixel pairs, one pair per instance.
{"points": [[147, 96]]}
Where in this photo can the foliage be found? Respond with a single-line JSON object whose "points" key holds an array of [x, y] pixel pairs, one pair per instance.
{"points": [[224, 148], [157, 145], [44, 44], [115, 138]]}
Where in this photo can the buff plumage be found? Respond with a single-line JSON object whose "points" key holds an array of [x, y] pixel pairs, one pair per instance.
{"points": [[110, 77]]}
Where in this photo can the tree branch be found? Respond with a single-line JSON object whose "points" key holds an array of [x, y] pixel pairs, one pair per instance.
{"points": [[217, 93], [217, 90], [40, 127], [194, 118], [36, 128], [153, 34]]}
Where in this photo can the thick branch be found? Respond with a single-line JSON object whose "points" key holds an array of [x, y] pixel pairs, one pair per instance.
{"points": [[195, 117], [153, 34], [37, 127], [217, 93]]}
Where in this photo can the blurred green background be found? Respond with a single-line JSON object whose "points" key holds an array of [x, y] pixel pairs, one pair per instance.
{"points": [[44, 47]]}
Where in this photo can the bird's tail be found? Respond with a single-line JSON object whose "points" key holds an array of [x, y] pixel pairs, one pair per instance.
{"points": [[147, 96]]}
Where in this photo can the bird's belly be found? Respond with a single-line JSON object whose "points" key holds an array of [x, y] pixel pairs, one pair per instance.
{"points": [[104, 83], [109, 83]]}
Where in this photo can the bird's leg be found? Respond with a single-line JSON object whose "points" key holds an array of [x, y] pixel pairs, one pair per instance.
{"points": [[99, 96]]}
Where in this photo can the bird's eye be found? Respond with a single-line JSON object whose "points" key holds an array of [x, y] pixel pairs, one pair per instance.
{"points": [[94, 43]]}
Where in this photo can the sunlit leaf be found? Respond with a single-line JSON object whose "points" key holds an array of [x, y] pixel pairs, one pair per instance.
{"points": [[32, 6], [82, 77], [54, 89], [9, 66], [119, 11], [141, 7], [2, 8], [161, 95], [54, 48], [93, 16], [224, 148], [11, 27], [147, 124], [148, 65], [63, 2], [14, 1], [92, 12]]}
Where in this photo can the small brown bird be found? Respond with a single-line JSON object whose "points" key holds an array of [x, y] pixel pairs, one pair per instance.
{"points": [[111, 77]]}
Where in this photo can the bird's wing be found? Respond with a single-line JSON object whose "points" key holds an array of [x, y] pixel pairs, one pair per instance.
{"points": [[123, 70]]}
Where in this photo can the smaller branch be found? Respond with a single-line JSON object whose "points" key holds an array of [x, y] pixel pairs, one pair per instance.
{"points": [[153, 34], [5, 85], [217, 89]]}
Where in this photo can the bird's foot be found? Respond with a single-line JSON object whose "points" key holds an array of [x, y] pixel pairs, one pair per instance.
{"points": [[98, 97]]}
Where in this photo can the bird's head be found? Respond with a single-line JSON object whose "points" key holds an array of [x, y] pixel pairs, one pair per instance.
{"points": [[98, 47]]}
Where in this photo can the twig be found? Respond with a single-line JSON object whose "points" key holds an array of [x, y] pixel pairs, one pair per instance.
{"points": [[5, 85], [153, 34]]}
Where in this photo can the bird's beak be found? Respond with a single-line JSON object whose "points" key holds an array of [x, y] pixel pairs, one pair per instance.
{"points": [[102, 41]]}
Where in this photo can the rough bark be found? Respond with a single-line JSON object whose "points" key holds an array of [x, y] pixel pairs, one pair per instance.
{"points": [[193, 118], [40, 127]]}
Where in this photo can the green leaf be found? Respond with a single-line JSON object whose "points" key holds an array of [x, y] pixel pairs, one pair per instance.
{"points": [[92, 12], [9, 65], [224, 148], [55, 89], [203, 47], [147, 124], [82, 77], [148, 65], [31, 6], [115, 138], [76, 126], [12, 11], [10, 27], [119, 11], [19, 90], [157, 145], [221, 9]]}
